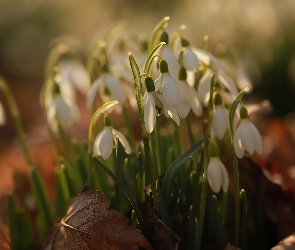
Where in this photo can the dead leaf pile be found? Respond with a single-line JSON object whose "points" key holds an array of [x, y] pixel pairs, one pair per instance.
{"points": [[90, 224], [160, 236]]}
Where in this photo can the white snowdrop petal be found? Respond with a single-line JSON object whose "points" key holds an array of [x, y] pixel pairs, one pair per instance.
{"points": [[123, 140], [150, 112], [239, 150], [225, 179], [208, 59], [79, 77], [96, 143], [204, 86], [62, 111], [219, 122], [116, 89], [247, 136], [2, 115], [190, 78], [74, 112], [173, 114], [258, 139], [106, 143], [183, 109], [170, 91], [185, 95], [243, 80], [190, 60], [158, 82], [214, 174], [197, 107], [93, 91], [227, 82], [171, 60]]}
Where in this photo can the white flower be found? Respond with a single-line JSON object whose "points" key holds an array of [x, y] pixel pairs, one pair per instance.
{"points": [[75, 74], [166, 53], [208, 59], [197, 107], [104, 142], [220, 121], [217, 175], [63, 111], [106, 80], [204, 87], [150, 112], [2, 115], [190, 60], [167, 86], [247, 138]]}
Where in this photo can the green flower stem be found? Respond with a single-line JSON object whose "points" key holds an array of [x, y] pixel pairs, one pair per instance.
{"points": [[177, 139], [236, 166], [129, 128], [54, 143], [204, 183], [17, 121], [237, 198], [65, 142], [150, 173], [206, 131], [190, 132]]}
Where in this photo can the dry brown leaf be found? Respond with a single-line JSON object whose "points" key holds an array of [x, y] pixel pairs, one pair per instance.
{"points": [[160, 236], [90, 224]]}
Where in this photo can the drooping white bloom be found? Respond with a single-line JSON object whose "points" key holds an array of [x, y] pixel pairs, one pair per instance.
{"points": [[220, 121], [185, 103], [197, 107], [167, 86], [63, 111], [217, 175], [247, 138], [208, 59], [106, 81], [204, 87], [166, 53], [75, 74], [150, 112], [189, 59], [2, 115], [104, 142]]}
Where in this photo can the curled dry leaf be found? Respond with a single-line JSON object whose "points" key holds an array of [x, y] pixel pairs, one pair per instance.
{"points": [[160, 236], [90, 224]]}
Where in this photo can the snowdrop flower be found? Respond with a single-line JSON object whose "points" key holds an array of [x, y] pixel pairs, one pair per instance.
{"points": [[217, 174], [150, 101], [75, 74], [2, 115], [173, 94], [166, 53], [187, 57], [220, 117], [247, 137], [189, 98], [167, 87], [104, 142], [226, 83], [106, 83], [61, 110]]}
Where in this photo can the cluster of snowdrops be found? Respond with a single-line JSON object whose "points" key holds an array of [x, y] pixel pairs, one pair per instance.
{"points": [[167, 81]]}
